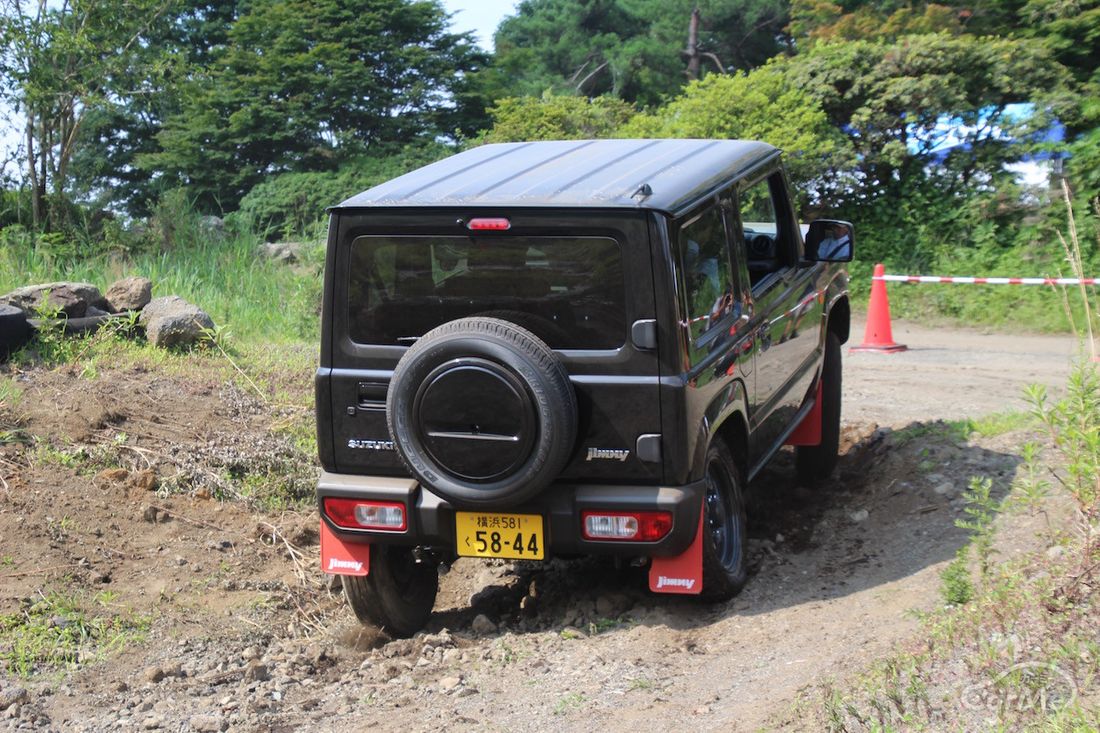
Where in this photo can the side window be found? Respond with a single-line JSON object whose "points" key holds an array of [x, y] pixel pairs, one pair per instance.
{"points": [[763, 237], [704, 255]]}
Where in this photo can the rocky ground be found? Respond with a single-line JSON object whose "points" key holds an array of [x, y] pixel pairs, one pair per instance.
{"points": [[152, 580]]}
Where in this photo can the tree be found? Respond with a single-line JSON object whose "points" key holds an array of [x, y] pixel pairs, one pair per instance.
{"points": [[60, 63], [932, 98], [115, 134], [762, 104], [555, 117], [305, 84], [637, 50]]}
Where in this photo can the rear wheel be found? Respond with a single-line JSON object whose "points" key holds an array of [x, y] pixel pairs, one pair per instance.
{"points": [[815, 463], [724, 526], [397, 594]]}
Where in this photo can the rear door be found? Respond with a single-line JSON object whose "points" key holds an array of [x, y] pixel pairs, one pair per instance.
{"points": [[579, 280], [787, 311]]}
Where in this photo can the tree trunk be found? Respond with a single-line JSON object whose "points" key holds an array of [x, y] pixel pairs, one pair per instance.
{"points": [[692, 50]]}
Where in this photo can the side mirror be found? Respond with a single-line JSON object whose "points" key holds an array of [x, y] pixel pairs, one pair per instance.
{"points": [[830, 240]]}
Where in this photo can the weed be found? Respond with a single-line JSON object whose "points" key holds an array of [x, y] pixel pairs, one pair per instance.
{"points": [[640, 683], [59, 631], [981, 509], [568, 703], [1073, 424], [956, 587]]}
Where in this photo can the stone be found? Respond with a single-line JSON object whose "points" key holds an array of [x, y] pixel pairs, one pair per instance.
{"points": [[207, 723], [859, 515], [12, 696], [111, 476], [143, 480], [72, 298], [153, 674], [947, 488], [612, 605], [483, 625], [213, 226], [149, 514], [447, 684], [153, 722], [1055, 551], [173, 322], [285, 252], [129, 294], [256, 672]]}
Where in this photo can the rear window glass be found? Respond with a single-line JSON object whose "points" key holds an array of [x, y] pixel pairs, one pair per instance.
{"points": [[568, 291]]}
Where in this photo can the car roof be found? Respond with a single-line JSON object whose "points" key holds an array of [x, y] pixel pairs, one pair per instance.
{"points": [[665, 175]]}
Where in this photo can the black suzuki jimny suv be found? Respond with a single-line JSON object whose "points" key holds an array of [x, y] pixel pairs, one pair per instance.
{"points": [[563, 348]]}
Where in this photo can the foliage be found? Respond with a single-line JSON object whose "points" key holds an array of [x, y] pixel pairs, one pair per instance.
{"points": [[59, 630], [630, 49], [760, 105], [1073, 424], [893, 101], [60, 63], [555, 117], [288, 204], [258, 298], [302, 86]]}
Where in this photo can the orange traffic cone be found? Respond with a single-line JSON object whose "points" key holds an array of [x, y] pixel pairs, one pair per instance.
{"points": [[877, 337]]}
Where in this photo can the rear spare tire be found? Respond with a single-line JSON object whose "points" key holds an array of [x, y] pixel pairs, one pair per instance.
{"points": [[482, 412]]}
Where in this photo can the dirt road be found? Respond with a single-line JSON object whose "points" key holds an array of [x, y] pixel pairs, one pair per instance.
{"points": [[233, 629]]}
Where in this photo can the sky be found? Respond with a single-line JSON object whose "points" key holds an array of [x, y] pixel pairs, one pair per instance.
{"points": [[480, 16]]}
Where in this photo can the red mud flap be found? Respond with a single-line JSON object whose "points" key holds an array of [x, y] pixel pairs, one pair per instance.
{"points": [[681, 574], [343, 558], [808, 431]]}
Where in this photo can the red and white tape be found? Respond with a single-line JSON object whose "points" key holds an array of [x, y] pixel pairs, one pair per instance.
{"points": [[989, 280]]}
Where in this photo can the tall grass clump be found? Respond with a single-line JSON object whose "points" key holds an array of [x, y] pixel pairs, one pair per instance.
{"points": [[217, 268]]}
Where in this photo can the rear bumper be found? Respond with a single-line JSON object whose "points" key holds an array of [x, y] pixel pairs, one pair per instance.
{"points": [[431, 520]]}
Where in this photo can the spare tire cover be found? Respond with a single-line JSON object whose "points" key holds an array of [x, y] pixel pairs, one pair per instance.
{"points": [[482, 412]]}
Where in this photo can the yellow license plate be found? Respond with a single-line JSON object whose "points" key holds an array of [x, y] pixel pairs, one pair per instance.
{"points": [[511, 536]]}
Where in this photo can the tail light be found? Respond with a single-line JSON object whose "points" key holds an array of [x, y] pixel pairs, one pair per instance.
{"points": [[489, 224], [626, 526], [385, 516]]}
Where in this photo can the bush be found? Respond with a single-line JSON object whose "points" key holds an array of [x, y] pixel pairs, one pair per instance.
{"points": [[289, 204]]}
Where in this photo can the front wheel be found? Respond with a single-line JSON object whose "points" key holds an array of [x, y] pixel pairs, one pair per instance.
{"points": [[398, 594], [724, 526], [815, 463]]}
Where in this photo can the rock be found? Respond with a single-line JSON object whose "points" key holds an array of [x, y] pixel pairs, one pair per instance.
{"points": [[173, 669], [286, 252], [149, 514], [129, 294], [612, 605], [859, 515], [256, 672], [111, 476], [70, 297], [1055, 551], [447, 684], [153, 722], [172, 321], [153, 674], [212, 226], [12, 696], [143, 480], [947, 488], [483, 625], [207, 723]]}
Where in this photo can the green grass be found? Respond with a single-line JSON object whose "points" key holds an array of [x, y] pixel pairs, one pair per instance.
{"points": [[63, 630], [258, 300], [959, 431]]}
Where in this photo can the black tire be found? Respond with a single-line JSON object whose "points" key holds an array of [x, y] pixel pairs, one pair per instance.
{"points": [[14, 329], [725, 526], [435, 415], [397, 595], [815, 463]]}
